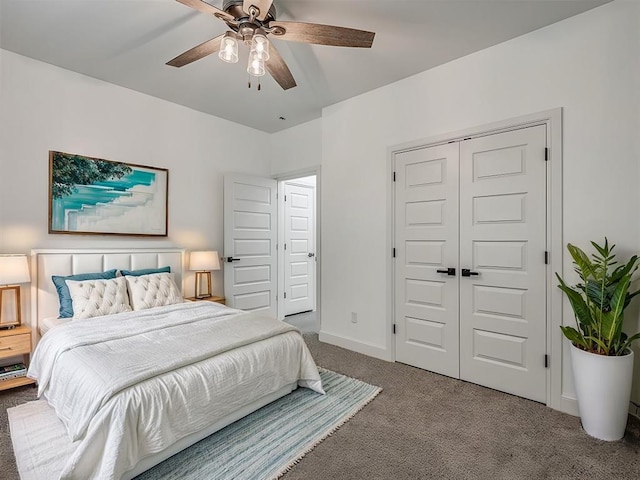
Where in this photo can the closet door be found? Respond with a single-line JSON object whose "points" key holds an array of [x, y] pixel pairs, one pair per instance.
{"points": [[502, 244], [426, 219]]}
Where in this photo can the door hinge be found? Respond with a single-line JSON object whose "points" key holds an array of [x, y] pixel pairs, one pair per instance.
{"points": [[285, 198], [276, 246], [546, 258], [546, 361], [394, 176], [276, 298], [546, 154], [285, 246], [285, 294], [394, 252], [394, 328]]}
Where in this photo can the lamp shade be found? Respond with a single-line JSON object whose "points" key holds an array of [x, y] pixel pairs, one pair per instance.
{"points": [[204, 261], [14, 269]]}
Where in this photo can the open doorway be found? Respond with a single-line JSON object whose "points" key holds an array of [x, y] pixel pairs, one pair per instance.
{"points": [[297, 252]]}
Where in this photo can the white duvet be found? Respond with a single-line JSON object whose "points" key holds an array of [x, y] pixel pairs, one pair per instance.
{"points": [[128, 386]]}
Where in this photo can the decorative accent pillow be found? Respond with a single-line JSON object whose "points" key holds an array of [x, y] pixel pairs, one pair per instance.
{"points": [[155, 290], [145, 271], [94, 298], [64, 298]]}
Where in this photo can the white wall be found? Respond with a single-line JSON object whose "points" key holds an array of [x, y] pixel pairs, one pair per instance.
{"points": [[44, 108], [297, 148], [588, 64]]}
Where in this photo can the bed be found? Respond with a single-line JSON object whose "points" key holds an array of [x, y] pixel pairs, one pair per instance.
{"points": [[136, 387]]}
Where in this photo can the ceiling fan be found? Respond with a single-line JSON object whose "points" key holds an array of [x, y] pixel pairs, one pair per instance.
{"points": [[251, 21]]}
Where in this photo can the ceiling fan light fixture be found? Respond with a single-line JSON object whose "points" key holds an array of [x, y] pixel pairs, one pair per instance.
{"points": [[256, 65], [229, 48], [260, 47]]}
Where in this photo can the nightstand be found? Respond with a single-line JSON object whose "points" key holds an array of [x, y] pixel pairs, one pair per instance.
{"points": [[213, 298], [16, 342]]}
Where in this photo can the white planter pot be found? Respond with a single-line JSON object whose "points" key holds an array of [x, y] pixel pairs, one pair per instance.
{"points": [[603, 388]]}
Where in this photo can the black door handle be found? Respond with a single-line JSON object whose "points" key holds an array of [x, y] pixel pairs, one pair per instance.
{"points": [[312, 255], [231, 259], [448, 271], [467, 273]]}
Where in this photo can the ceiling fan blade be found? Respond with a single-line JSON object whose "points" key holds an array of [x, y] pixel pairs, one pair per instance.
{"points": [[262, 5], [206, 8], [278, 69], [196, 53], [322, 34]]}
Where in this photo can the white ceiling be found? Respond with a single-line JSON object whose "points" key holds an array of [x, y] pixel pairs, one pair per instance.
{"points": [[128, 42]]}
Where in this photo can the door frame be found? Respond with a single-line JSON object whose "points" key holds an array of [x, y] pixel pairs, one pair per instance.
{"points": [[552, 119], [281, 178]]}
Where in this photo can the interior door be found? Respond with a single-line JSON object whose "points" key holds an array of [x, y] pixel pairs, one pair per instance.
{"points": [[502, 245], [426, 291], [250, 233], [299, 248]]}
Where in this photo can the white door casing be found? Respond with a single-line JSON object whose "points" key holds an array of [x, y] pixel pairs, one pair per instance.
{"points": [[426, 240], [299, 248], [250, 233], [503, 240]]}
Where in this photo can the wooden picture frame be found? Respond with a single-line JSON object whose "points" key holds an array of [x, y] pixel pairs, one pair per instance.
{"points": [[93, 196]]}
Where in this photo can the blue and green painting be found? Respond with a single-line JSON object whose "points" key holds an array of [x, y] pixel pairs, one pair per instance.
{"points": [[91, 195]]}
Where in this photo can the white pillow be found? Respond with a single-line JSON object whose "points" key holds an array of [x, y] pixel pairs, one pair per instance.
{"points": [[92, 298], [153, 290]]}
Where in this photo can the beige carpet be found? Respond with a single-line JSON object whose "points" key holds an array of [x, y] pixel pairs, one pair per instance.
{"points": [[425, 425]]}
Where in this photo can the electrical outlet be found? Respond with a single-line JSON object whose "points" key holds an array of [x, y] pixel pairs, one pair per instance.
{"points": [[354, 317]]}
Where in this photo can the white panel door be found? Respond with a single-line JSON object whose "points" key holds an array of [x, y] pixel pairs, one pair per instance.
{"points": [[426, 296], [299, 249], [502, 245], [250, 232]]}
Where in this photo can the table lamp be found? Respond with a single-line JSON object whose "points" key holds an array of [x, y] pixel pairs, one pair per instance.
{"points": [[14, 270], [203, 263]]}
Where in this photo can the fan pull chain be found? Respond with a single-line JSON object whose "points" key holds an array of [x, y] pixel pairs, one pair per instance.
{"points": [[249, 83]]}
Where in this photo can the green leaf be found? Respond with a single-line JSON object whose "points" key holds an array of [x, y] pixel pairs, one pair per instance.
{"points": [[575, 337], [629, 297], [623, 270], [585, 267], [627, 343], [580, 308], [598, 294], [604, 348], [612, 320]]}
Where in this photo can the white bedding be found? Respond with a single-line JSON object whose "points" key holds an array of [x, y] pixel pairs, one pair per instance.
{"points": [[127, 386], [48, 323]]}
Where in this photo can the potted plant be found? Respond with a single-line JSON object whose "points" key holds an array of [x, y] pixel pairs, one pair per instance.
{"points": [[600, 355]]}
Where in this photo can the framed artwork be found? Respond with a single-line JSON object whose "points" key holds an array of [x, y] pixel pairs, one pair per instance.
{"points": [[100, 197]]}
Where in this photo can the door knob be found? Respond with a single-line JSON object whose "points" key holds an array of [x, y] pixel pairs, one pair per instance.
{"points": [[448, 271], [312, 255], [231, 259], [468, 273]]}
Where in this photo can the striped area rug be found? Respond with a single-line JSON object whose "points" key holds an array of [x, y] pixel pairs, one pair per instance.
{"points": [[268, 442]]}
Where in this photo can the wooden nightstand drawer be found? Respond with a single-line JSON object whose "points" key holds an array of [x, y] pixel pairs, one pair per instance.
{"points": [[14, 342], [15, 345]]}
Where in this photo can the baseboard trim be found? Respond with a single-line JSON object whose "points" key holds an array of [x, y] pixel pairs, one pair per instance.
{"points": [[567, 405], [352, 344], [570, 405]]}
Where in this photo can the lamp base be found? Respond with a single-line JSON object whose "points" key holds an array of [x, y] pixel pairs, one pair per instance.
{"points": [[16, 298], [207, 293]]}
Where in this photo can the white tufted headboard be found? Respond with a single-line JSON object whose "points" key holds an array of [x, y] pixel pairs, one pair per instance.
{"points": [[44, 263]]}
